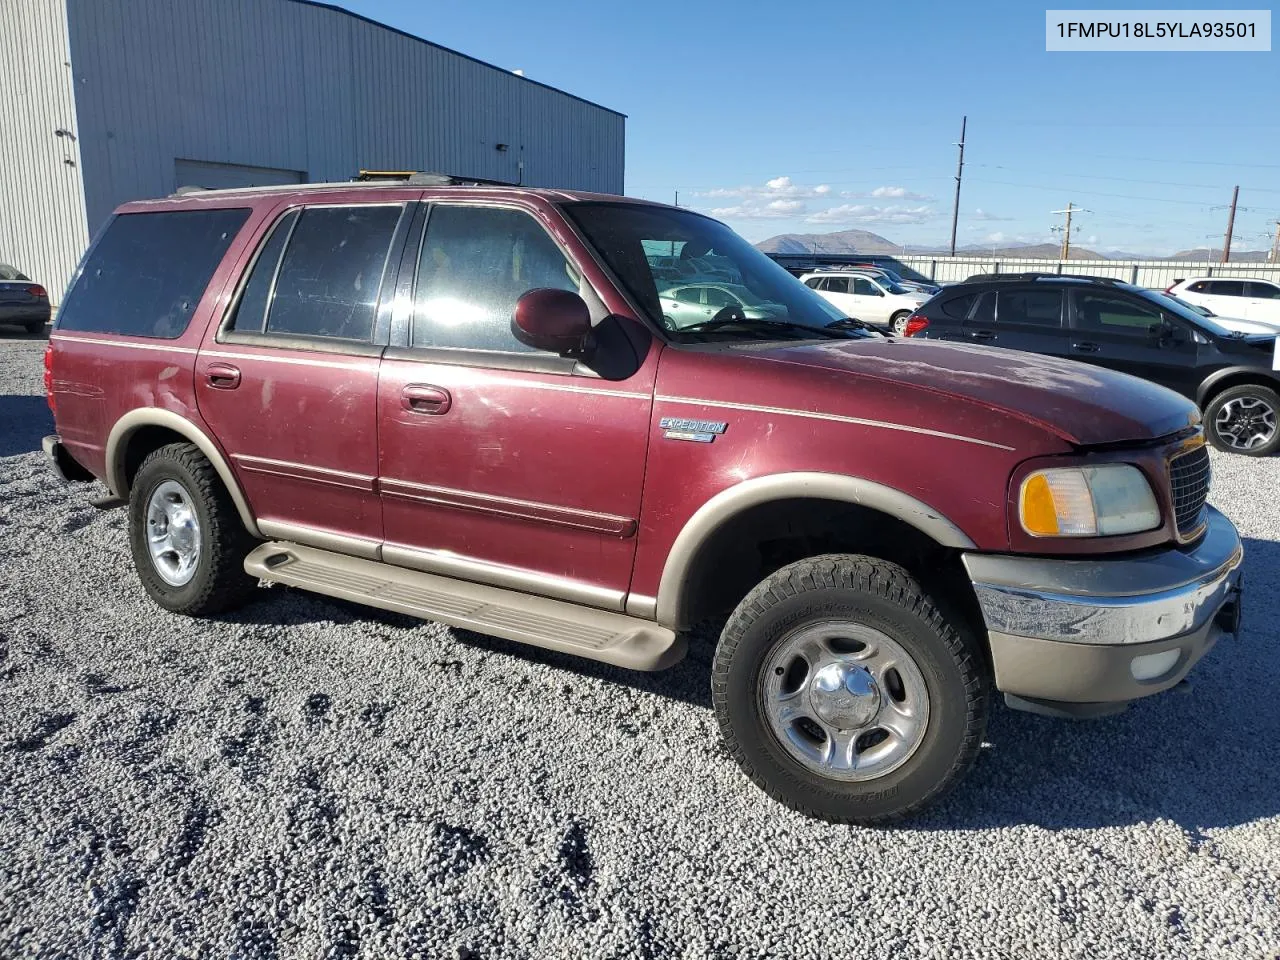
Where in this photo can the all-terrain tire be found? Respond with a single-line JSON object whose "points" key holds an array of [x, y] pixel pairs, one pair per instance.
{"points": [[219, 582], [884, 597]]}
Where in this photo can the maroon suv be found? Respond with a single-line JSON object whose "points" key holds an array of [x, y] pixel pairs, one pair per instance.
{"points": [[464, 403]]}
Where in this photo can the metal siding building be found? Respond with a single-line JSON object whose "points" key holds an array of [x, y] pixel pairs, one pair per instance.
{"points": [[156, 94]]}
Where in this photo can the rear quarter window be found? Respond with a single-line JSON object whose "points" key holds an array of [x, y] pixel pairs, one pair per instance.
{"points": [[957, 308], [148, 271]]}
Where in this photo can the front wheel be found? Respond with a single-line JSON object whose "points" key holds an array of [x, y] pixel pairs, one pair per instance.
{"points": [[898, 323], [1242, 419], [843, 692], [186, 537]]}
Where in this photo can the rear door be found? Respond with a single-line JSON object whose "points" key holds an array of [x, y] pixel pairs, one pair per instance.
{"points": [[835, 290], [1031, 318], [289, 380], [1135, 337], [1264, 301], [500, 463]]}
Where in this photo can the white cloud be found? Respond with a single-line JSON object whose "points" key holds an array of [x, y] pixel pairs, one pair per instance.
{"points": [[1091, 238], [755, 209], [887, 193], [981, 214], [777, 187], [997, 237], [865, 213]]}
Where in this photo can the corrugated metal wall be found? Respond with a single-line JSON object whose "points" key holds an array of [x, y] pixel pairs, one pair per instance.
{"points": [[297, 86], [42, 217]]}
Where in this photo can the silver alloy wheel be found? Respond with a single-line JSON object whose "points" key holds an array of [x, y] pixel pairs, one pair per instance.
{"points": [[899, 325], [1245, 423], [845, 700], [173, 533]]}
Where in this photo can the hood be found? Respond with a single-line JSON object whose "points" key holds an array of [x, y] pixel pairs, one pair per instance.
{"points": [[1246, 326], [1083, 404]]}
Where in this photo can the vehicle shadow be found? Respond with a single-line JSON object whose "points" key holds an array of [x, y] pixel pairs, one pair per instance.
{"points": [[1205, 755], [24, 421], [12, 332]]}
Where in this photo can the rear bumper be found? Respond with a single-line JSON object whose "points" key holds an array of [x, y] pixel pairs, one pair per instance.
{"points": [[1096, 632], [67, 466], [24, 313]]}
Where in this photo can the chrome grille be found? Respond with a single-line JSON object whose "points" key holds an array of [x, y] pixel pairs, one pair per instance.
{"points": [[1189, 483]]}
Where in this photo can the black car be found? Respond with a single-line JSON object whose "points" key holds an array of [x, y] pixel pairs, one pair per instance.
{"points": [[1231, 375], [22, 302]]}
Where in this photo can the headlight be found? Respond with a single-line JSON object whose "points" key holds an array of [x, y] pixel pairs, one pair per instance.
{"points": [[1098, 501]]}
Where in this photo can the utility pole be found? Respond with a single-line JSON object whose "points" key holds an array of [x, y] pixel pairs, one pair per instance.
{"points": [[955, 210], [1066, 228], [1231, 223], [677, 203], [1275, 245]]}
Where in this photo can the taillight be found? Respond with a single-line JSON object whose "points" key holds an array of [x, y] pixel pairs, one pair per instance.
{"points": [[48, 378], [37, 291], [916, 323]]}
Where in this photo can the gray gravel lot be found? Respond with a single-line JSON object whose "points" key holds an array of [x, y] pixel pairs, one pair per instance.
{"points": [[310, 779]]}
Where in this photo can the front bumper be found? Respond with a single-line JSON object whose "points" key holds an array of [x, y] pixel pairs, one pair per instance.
{"points": [[1090, 632]]}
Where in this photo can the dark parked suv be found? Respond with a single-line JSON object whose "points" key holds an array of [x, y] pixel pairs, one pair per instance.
{"points": [[463, 403], [1232, 376]]}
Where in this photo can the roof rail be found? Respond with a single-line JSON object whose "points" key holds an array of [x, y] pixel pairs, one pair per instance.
{"points": [[990, 277], [424, 178]]}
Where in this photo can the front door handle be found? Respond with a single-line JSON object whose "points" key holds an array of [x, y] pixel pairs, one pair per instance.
{"points": [[1085, 346], [424, 398], [222, 376], [982, 335]]}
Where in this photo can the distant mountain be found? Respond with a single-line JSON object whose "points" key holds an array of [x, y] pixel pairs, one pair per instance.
{"points": [[866, 242], [844, 241], [1205, 253]]}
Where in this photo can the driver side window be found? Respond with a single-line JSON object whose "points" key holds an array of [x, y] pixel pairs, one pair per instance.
{"points": [[1111, 314], [718, 298], [863, 286]]}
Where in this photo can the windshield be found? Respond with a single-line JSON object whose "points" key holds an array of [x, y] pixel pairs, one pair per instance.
{"points": [[652, 249], [890, 285], [1178, 308]]}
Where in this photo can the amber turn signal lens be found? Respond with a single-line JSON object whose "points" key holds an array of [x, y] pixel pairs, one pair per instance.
{"points": [[1039, 514]]}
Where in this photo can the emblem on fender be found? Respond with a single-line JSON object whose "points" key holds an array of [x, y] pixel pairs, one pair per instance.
{"points": [[697, 431]]}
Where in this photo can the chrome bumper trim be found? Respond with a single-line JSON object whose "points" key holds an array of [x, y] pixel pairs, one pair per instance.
{"points": [[1122, 601]]}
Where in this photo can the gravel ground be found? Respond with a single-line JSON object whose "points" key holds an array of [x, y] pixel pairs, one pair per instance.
{"points": [[309, 779]]}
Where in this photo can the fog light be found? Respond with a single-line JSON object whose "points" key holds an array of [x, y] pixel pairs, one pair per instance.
{"points": [[1152, 665]]}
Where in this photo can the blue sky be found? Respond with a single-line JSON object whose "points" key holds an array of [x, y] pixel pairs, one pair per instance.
{"points": [[830, 116]]}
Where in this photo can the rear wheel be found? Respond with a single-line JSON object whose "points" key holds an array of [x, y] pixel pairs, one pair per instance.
{"points": [[186, 537], [898, 323], [843, 692], [1243, 419], [35, 326]]}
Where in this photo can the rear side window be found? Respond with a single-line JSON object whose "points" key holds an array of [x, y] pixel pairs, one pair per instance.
{"points": [[331, 272], [148, 272], [957, 308], [251, 311], [476, 262], [1040, 308], [836, 284], [1226, 288]]}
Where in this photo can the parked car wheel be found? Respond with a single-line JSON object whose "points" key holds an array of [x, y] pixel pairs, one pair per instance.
{"points": [[843, 692], [898, 323], [1243, 419], [186, 537], [35, 327]]}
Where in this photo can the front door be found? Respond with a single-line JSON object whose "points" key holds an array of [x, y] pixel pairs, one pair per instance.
{"points": [[1134, 337], [499, 463], [289, 382], [868, 301]]}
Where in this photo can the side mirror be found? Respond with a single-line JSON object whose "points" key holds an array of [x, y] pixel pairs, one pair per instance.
{"points": [[558, 321]]}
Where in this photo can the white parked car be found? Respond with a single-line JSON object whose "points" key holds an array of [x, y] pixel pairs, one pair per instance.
{"points": [[872, 299], [1230, 323], [1246, 299]]}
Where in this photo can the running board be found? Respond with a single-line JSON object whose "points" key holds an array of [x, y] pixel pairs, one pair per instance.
{"points": [[554, 624]]}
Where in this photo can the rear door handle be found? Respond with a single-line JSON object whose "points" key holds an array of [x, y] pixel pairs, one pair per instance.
{"points": [[1085, 346], [222, 376], [982, 335], [424, 398]]}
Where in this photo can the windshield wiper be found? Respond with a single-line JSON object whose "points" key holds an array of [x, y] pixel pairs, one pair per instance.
{"points": [[709, 326], [851, 323]]}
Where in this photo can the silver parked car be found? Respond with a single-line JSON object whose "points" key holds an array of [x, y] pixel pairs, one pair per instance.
{"points": [[699, 302]]}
